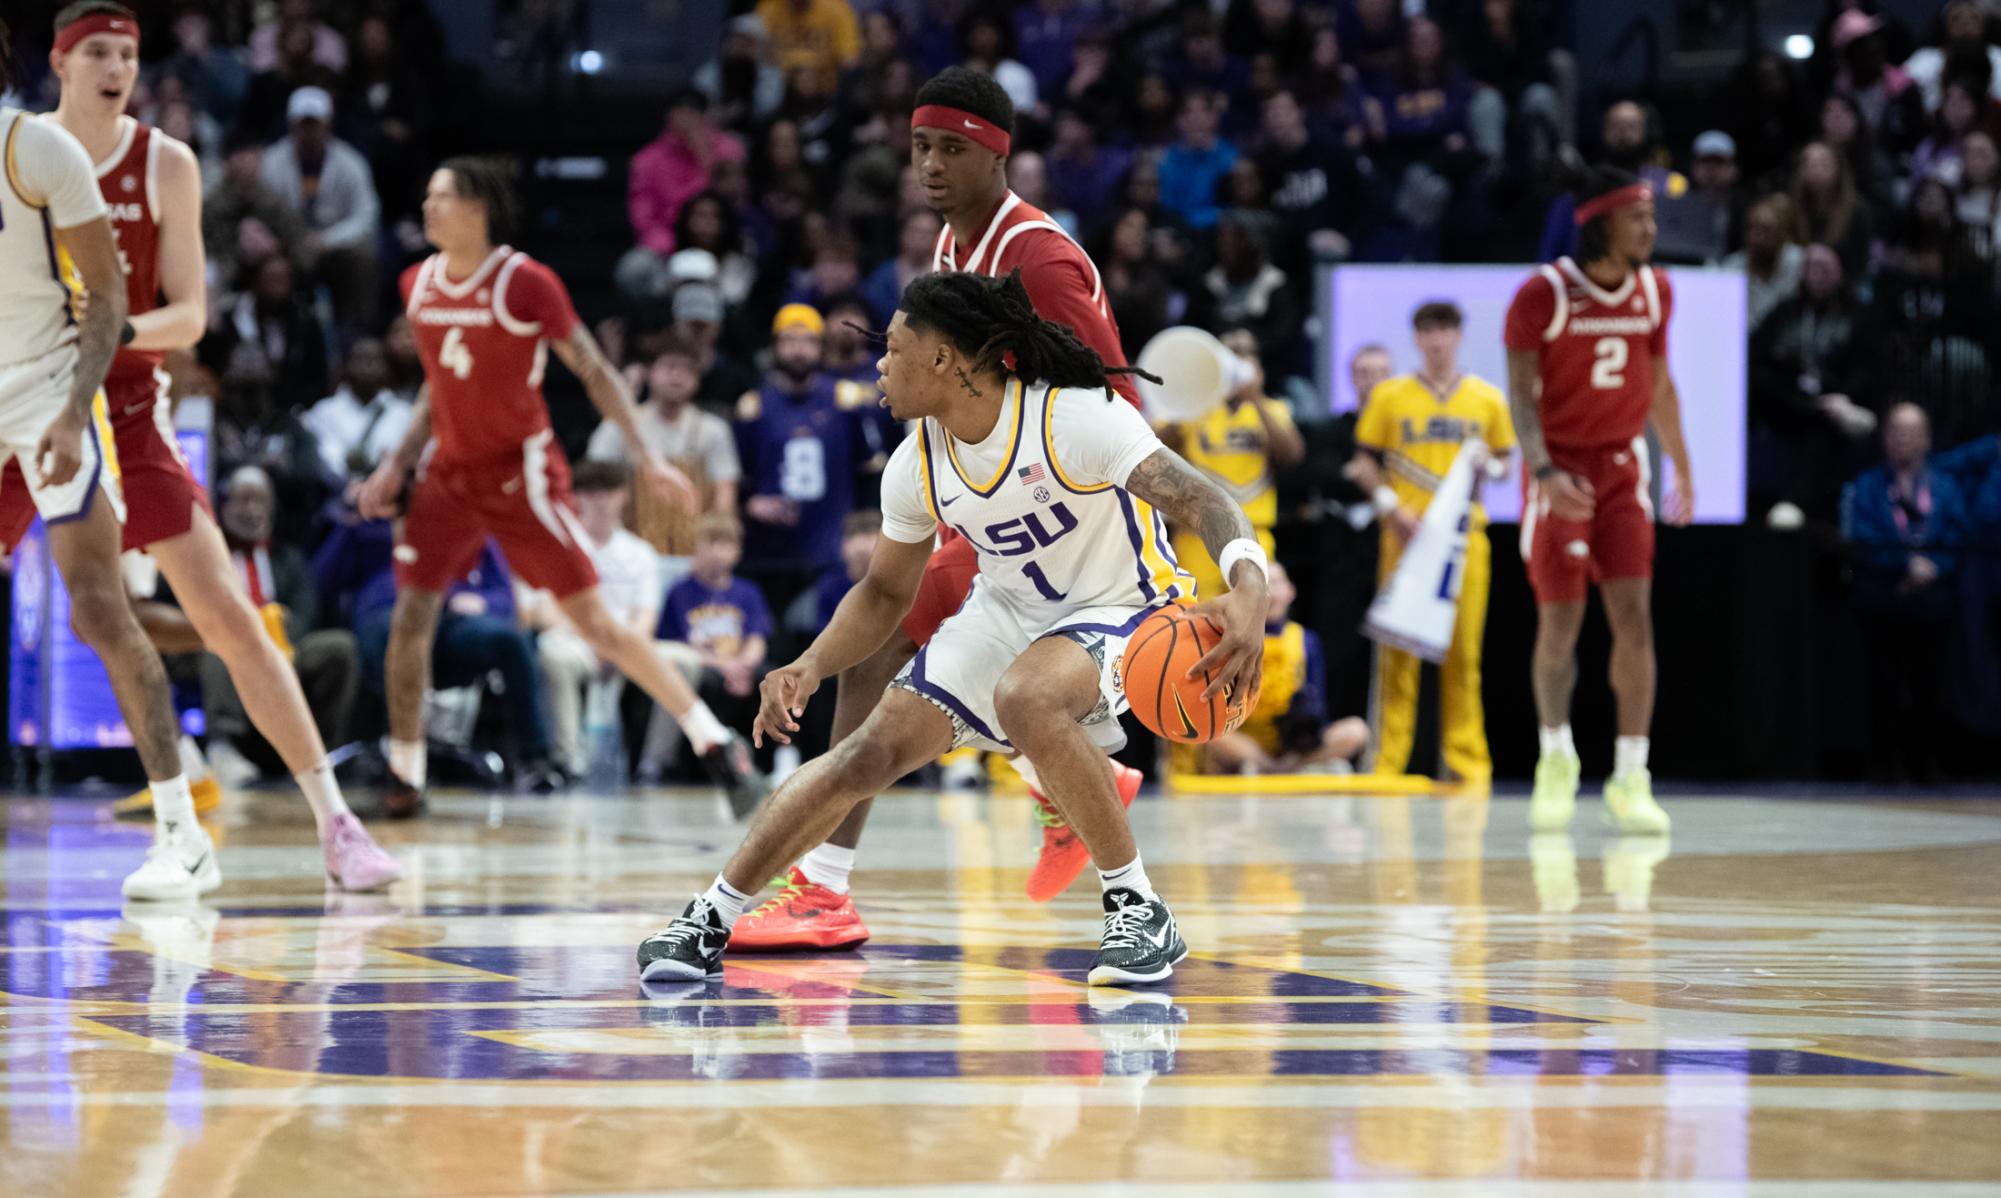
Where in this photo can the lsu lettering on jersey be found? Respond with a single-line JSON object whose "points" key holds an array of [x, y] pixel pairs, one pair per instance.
{"points": [[484, 341], [129, 179], [50, 185], [1043, 502], [1419, 432], [1597, 350]]}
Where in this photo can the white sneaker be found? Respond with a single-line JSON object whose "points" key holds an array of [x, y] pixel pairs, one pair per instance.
{"points": [[230, 766], [180, 865]]}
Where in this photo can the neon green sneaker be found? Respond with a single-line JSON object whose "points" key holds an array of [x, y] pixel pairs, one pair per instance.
{"points": [[1555, 797], [1629, 800]]}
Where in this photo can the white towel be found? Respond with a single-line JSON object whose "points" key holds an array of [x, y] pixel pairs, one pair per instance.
{"points": [[1417, 610]]}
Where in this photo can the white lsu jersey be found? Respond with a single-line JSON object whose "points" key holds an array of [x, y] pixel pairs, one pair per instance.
{"points": [[50, 185], [1043, 501]]}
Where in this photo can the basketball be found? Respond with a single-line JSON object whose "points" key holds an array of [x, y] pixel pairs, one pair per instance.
{"points": [[1154, 673]]}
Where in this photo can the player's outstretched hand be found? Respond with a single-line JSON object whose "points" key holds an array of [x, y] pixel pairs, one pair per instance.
{"points": [[59, 454], [377, 500], [1678, 505], [781, 701], [1570, 497], [668, 482], [1238, 659]]}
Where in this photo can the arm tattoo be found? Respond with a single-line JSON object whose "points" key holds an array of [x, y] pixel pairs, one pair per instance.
{"points": [[966, 381], [1190, 499], [1525, 406]]}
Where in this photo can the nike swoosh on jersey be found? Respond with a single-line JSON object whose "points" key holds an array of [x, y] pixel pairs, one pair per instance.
{"points": [[948, 502]]}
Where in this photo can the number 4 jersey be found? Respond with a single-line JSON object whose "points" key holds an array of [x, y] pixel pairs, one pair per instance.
{"points": [[1042, 500], [1597, 350]]}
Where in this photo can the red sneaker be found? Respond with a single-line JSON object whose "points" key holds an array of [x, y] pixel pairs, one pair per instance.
{"points": [[1063, 853], [803, 916]]}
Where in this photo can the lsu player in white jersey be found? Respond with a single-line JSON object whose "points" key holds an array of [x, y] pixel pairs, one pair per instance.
{"points": [[53, 359], [1061, 488]]}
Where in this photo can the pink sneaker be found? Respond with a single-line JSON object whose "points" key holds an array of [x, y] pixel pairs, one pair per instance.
{"points": [[354, 860]]}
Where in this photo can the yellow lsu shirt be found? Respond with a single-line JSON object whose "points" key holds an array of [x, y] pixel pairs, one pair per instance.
{"points": [[1229, 446], [1419, 431]]}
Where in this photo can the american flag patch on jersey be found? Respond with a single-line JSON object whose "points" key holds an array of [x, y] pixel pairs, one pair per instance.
{"points": [[1031, 474]]}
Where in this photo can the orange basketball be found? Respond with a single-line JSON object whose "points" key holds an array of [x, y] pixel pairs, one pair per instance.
{"points": [[1153, 673]]}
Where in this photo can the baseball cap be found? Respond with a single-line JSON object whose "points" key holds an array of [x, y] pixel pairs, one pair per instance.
{"points": [[1715, 144], [1852, 25], [698, 301], [798, 316], [309, 104], [692, 266]]}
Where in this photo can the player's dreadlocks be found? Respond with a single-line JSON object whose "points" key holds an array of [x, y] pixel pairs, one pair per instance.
{"points": [[969, 91], [491, 183], [990, 318], [1593, 237]]}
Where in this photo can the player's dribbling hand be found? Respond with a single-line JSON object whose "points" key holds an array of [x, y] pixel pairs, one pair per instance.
{"points": [[668, 482], [377, 499], [59, 454], [1570, 497], [1237, 661], [781, 701]]}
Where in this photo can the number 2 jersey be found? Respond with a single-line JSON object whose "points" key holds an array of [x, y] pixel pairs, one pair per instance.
{"points": [[484, 341], [1042, 500], [1597, 350]]}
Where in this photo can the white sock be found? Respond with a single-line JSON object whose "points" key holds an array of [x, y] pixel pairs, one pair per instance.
{"points": [[193, 765], [322, 793], [726, 899], [172, 802], [1132, 876], [703, 729], [828, 866], [1556, 741], [1027, 771], [409, 759], [1629, 753]]}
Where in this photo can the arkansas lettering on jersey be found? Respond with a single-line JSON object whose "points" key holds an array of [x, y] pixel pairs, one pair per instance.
{"points": [[1062, 281], [1597, 350], [128, 177], [484, 341]]}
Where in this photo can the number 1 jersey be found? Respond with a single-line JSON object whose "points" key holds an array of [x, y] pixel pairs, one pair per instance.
{"points": [[1596, 350]]}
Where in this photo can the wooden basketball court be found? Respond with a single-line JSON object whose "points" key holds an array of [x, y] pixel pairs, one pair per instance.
{"points": [[1400, 995]]}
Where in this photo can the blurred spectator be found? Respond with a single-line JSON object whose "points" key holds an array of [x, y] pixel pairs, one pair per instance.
{"points": [[1502, 45], [244, 221], [214, 77], [697, 441], [668, 172], [1959, 112], [819, 36], [1289, 731], [1143, 295], [836, 270], [1202, 63], [272, 329], [1244, 289], [803, 444], [1932, 314], [848, 353], [254, 428], [1045, 38], [329, 185], [1331, 91], [1315, 184], [385, 110], [698, 320], [406, 369], [1835, 215], [1371, 35], [1626, 141], [1772, 114], [1891, 104], [363, 421], [916, 244], [1153, 113], [709, 225], [1841, 127], [628, 577], [1700, 224], [1963, 33], [1028, 177], [986, 43], [1083, 175], [1276, 27], [1420, 140], [327, 47], [1771, 256], [1811, 390], [1979, 205], [859, 533], [279, 581], [1905, 525], [743, 85], [1197, 161], [271, 89], [722, 622]]}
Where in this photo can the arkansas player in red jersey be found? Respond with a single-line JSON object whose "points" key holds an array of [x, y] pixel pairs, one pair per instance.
{"points": [[1587, 372], [959, 142], [487, 465], [152, 185]]}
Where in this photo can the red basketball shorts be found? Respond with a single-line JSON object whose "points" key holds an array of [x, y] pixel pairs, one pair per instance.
{"points": [[948, 577], [523, 504], [1565, 556]]}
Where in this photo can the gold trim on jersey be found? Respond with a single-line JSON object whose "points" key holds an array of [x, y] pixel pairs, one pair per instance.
{"points": [[1049, 448], [1007, 459], [107, 441]]}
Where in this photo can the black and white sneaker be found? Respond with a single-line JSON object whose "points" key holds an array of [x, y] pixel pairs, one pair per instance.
{"points": [[730, 767], [1140, 943], [690, 949]]}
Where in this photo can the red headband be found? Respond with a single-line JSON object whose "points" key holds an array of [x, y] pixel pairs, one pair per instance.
{"points": [[975, 129], [1625, 197], [95, 23]]}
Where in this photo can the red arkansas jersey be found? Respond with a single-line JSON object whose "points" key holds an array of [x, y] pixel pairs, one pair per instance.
{"points": [[1062, 281], [128, 177], [1597, 350], [485, 341]]}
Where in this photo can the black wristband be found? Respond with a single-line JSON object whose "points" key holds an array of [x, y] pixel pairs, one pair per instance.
{"points": [[1546, 469], [126, 334]]}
